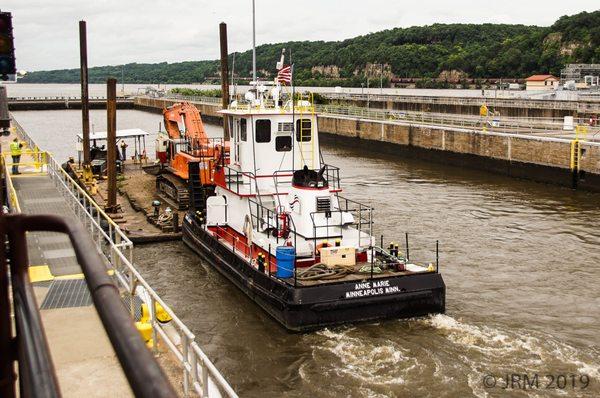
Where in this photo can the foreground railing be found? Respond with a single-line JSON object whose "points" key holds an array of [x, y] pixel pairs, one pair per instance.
{"points": [[29, 347], [12, 200], [116, 250]]}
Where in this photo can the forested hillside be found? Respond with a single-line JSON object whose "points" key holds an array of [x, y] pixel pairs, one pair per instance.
{"points": [[452, 51]]}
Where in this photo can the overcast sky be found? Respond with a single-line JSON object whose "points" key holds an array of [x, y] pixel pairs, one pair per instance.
{"points": [[123, 31]]}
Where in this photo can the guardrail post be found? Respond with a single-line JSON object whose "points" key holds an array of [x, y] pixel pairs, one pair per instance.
{"points": [[153, 323], [204, 379], [185, 345], [194, 369], [99, 238], [132, 286], [117, 262]]}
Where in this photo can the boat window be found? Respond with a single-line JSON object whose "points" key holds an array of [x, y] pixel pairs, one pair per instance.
{"points": [[303, 130], [283, 143], [243, 134], [263, 130]]}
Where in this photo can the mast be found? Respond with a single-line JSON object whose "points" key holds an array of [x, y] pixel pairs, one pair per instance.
{"points": [[253, 41]]}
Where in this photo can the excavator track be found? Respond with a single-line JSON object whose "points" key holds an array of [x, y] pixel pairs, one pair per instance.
{"points": [[174, 190]]}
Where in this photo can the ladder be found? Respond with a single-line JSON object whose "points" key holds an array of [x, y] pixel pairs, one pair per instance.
{"points": [[306, 130]]}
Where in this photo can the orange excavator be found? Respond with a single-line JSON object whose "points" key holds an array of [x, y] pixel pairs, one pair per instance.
{"points": [[176, 149]]}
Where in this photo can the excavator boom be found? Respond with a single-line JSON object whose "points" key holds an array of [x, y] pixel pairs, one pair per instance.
{"points": [[189, 115]]}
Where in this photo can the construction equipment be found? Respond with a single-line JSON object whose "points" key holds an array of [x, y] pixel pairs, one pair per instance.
{"points": [[177, 148]]}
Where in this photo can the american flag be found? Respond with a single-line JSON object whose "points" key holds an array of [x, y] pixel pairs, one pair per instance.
{"points": [[285, 74]]}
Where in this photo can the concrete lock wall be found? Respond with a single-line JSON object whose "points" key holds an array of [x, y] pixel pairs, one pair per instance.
{"points": [[537, 158], [540, 159]]}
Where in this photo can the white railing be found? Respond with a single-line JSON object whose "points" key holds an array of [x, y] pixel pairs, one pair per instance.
{"points": [[189, 98], [475, 101], [13, 200], [502, 124], [199, 373]]}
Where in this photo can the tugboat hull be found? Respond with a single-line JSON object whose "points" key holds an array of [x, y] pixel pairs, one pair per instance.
{"points": [[304, 308]]}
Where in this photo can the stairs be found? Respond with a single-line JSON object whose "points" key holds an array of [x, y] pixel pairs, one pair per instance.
{"points": [[197, 192]]}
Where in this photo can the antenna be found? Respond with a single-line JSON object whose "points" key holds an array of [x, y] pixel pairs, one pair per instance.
{"points": [[233, 75], [253, 41]]}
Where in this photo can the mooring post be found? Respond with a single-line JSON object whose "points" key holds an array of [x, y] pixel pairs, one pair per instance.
{"points": [[4, 114], [437, 256], [111, 142], [85, 110], [224, 77]]}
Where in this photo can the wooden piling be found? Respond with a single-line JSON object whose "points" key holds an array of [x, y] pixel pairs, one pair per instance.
{"points": [[224, 77], [111, 143], [85, 106], [4, 114]]}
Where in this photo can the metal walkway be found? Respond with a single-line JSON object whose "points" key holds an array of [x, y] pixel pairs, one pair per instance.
{"points": [[85, 362], [78, 342]]}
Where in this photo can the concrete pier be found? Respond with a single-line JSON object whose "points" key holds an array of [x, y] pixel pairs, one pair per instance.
{"points": [[57, 103], [540, 157]]}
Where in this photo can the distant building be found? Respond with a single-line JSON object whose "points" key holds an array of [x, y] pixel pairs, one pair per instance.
{"points": [[541, 82], [580, 76]]}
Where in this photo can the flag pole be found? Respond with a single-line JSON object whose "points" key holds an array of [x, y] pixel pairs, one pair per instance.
{"points": [[254, 42], [293, 114]]}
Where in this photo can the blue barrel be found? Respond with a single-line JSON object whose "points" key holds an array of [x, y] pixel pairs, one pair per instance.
{"points": [[286, 257]]}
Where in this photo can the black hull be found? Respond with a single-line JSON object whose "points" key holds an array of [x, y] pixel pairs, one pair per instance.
{"points": [[312, 307]]}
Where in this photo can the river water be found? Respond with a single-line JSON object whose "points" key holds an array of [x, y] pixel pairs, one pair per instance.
{"points": [[520, 260]]}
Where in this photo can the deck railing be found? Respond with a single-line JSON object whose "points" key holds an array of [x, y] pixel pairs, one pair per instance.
{"points": [[116, 249]]}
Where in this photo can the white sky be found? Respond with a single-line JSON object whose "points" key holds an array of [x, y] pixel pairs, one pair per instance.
{"points": [[123, 31]]}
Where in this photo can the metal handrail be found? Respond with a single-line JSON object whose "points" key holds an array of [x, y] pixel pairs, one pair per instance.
{"points": [[474, 101], [507, 124], [11, 193], [145, 376], [116, 249]]}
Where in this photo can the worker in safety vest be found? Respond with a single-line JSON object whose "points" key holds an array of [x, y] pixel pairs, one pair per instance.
{"points": [[15, 152]]}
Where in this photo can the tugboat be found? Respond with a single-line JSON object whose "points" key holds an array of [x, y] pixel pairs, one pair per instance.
{"points": [[276, 225]]}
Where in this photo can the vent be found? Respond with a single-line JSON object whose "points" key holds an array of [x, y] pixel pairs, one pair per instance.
{"points": [[67, 293], [324, 203], [284, 127]]}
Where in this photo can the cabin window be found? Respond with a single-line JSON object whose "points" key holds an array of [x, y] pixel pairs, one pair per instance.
{"points": [[243, 133], [263, 130], [303, 130], [283, 143]]}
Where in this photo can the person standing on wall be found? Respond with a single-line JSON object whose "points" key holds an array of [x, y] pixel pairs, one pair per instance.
{"points": [[15, 152]]}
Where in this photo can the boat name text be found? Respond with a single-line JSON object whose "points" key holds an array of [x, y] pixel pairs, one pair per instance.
{"points": [[365, 289]]}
